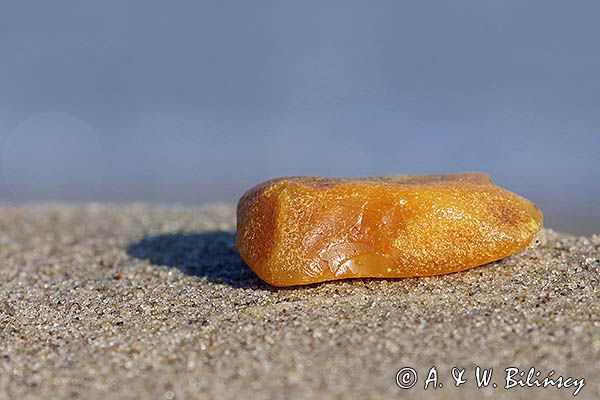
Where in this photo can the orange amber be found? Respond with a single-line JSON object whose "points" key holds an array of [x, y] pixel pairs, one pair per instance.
{"points": [[302, 230]]}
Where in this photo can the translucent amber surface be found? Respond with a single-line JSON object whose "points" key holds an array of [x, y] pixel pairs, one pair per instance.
{"points": [[302, 230]]}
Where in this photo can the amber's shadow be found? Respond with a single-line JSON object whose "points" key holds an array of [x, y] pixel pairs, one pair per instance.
{"points": [[208, 254]]}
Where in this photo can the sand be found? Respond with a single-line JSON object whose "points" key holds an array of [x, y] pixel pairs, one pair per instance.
{"points": [[146, 302]]}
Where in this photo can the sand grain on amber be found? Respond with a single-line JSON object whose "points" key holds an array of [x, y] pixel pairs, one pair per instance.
{"points": [[302, 230]]}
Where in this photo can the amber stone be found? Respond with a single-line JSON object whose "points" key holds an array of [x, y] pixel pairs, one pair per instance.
{"points": [[303, 230]]}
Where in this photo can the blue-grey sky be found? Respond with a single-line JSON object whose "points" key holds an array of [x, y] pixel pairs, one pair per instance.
{"points": [[191, 102]]}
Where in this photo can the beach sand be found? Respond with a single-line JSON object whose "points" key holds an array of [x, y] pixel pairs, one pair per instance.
{"points": [[134, 301]]}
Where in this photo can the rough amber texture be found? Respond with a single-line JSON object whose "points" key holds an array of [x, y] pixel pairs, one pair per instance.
{"points": [[302, 230]]}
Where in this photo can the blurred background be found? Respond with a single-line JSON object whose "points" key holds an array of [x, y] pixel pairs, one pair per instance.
{"points": [[193, 102]]}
